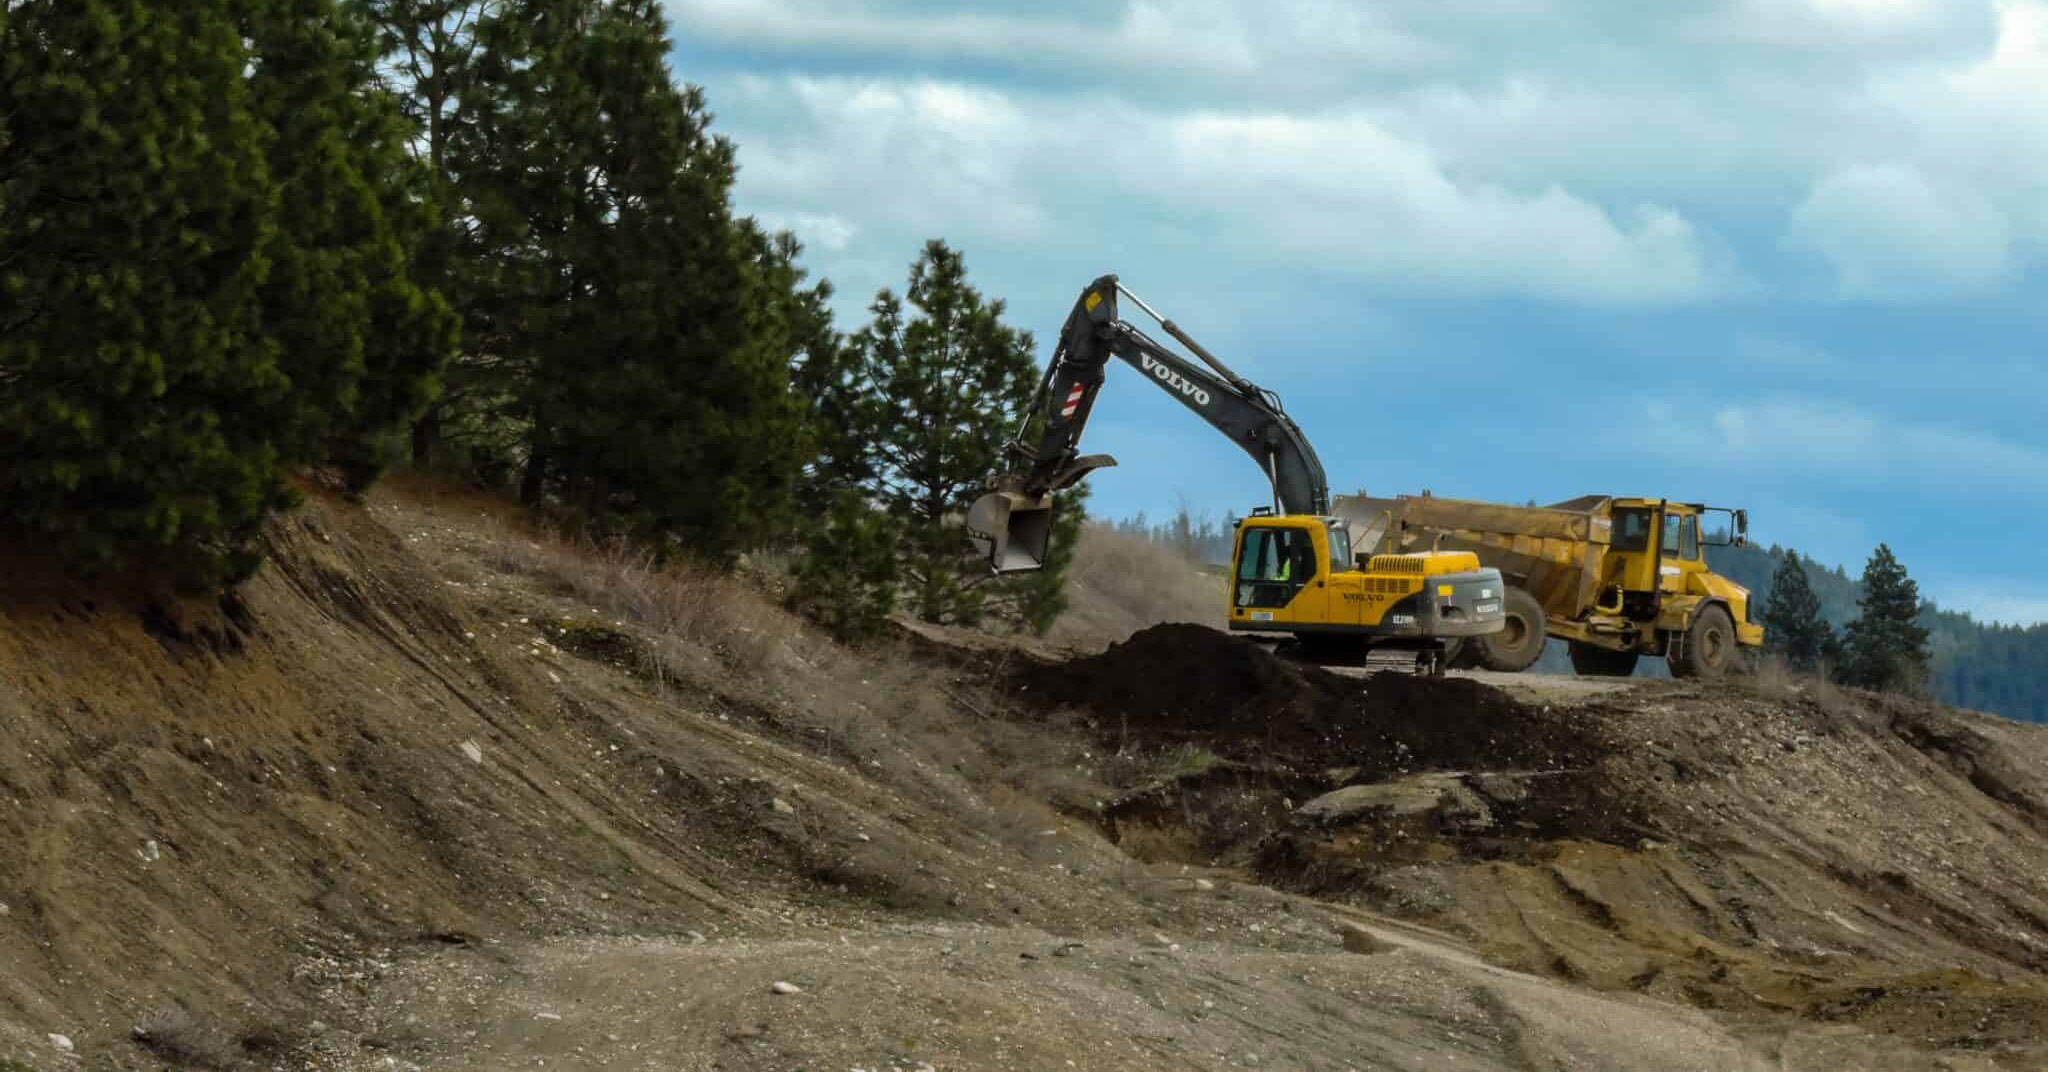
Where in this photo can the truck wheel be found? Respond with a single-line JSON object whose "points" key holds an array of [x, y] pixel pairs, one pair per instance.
{"points": [[1709, 649], [1520, 641], [1591, 660]]}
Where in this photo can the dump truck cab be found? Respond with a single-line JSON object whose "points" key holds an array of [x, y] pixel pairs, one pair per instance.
{"points": [[1656, 568], [1296, 574]]}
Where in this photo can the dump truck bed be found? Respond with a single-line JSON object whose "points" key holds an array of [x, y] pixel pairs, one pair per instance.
{"points": [[1554, 552]]}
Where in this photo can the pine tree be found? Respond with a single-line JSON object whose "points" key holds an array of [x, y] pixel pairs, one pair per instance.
{"points": [[846, 579], [434, 63], [645, 349], [193, 249], [360, 337], [950, 384], [1793, 626], [1036, 600], [1886, 647]]}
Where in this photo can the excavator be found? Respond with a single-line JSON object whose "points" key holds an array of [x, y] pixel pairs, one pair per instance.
{"points": [[1292, 571]]}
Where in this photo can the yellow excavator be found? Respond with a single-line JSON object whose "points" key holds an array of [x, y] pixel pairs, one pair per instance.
{"points": [[1292, 571]]}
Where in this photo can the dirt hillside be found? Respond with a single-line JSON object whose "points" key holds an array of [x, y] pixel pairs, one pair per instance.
{"points": [[1794, 859], [434, 792]]}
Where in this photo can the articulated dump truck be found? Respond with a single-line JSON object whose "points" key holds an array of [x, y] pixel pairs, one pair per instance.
{"points": [[1615, 578]]}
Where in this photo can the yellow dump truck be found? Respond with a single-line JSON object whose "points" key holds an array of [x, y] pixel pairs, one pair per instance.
{"points": [[1616, 578]]}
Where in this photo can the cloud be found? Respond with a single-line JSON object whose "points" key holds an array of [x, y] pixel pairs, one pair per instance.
{"points": [[1139, 39], [819, 231], [1332, 193], [1889, 233], [1344, 191], [1793, 435]]}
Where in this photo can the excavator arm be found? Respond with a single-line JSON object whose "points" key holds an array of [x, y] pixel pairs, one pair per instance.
{"points": [[1012, 524]]}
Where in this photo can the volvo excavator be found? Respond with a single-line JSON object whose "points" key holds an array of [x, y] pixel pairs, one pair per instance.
{"points": [[1292, 572]]}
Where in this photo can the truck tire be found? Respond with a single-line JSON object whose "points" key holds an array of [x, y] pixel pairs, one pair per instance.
{"points": [[1709, 648], [1592, 660], [1520, 641]]}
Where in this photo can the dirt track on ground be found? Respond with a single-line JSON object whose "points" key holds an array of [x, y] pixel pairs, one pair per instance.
{"points": [[412, 803]]}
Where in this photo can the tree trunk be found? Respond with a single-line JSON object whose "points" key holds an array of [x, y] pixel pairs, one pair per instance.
{"points": [[426, 436], [530, 484]]}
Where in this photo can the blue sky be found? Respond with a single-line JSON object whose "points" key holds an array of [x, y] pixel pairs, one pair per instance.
{"points": [[1784, 254]]}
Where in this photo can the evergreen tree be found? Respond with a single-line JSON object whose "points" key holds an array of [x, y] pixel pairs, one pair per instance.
{"points": [[1886, 646], [358, 335], [1036, 600], [645, 350], [847, 577], [1793, 626], [434, 63], [193, 250], [949, 385]]}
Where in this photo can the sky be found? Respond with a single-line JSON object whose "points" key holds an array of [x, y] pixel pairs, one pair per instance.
{"points": [[1788, 255]]}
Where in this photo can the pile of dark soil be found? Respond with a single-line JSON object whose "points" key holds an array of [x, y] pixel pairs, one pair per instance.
{"points": [[1174, 684]]}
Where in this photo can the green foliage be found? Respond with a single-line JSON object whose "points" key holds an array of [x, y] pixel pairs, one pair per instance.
{"points": [[1791, 617], [1981, 665], [199, 250], [1036, 600], [945, 387], [1886, 647], [629, 342], [344, 297], [847, 576]]}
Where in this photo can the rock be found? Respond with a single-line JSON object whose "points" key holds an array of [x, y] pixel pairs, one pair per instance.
{"points": [[782, 806], [62, 1042], [473, 750], [1203, 885], [1359, 940], [696, 936], [781, 987], [1066, 949], [151, 852], [1444, 796]]}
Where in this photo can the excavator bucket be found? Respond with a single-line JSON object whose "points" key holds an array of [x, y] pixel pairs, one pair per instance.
{"points": [[1011, 530]]}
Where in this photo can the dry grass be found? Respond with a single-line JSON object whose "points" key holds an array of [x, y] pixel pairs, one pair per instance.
{"points": [[960, 747], [1834, 706], [683, 614], [1121, 583]]}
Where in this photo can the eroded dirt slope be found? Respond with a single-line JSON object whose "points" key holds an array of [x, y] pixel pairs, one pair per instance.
{"points": [[1808, 864], [429, 794]]}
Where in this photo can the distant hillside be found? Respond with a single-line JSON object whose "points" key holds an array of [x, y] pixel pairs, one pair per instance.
{"points": [[1988, 667], [1998, 668]]}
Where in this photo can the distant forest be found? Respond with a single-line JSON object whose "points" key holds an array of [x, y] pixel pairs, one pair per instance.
{"points": [[2002, 669]]}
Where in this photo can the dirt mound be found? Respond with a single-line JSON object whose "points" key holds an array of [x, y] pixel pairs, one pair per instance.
{"points": [[1174, 684]]}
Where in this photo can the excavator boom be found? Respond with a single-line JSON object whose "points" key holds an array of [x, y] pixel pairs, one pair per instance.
{"points": [[1012, 524]]}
